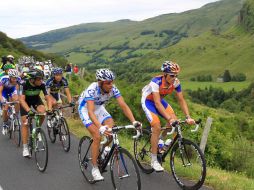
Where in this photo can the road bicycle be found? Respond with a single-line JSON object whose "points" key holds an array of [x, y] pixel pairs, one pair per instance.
{"points": [[187, 162], [37, 141], [57, 124], [123, 168]]}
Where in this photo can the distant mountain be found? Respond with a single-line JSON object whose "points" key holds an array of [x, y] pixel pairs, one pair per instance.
{"points": [[207, 40]]}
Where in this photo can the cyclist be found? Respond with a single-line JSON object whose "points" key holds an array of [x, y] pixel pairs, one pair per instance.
{"points": [[154, 105], [30, 96], [55, 84], [8, 92], [6, 68], [94, 115]]}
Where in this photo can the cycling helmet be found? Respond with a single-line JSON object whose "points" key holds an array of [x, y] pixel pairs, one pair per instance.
{"points": [[170, 67], [13, 73], [35, 73], [8, 66], [105, 75], [10, 56], [57, 70]]}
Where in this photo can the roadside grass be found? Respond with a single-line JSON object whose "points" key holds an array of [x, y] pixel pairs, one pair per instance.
{"points": [[216, 178]]}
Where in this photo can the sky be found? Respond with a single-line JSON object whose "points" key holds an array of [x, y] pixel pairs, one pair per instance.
{"points": [[21, 18]]}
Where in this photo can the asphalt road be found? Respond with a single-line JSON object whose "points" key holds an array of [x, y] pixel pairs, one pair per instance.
{"points": [[62, 173]]}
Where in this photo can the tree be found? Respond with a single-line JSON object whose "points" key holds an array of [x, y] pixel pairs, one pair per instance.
{"points": [[226, 76]]}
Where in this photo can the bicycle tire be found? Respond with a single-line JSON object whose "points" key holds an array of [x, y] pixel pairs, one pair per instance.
{"points": [[41, 140], [85, 159], [51, 133], [194, 156], [16, 131], [142, 151], [126, 173], [64, 135]]}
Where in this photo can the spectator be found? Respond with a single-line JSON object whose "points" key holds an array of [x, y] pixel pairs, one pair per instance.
{"points": [[75, 69]]}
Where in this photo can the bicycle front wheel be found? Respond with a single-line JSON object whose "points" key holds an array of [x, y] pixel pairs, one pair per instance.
{"points": [[16, 136], [124, 171], [142, 151], [41, 150], [85, 158], [188, 165], [64, 135], [51, 131]]}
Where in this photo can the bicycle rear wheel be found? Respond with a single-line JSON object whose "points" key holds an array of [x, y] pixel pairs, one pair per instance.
{"points": [[188, 165], [124, 171], [64, 135], [142, 151], [41, 150], [85, 158], [16, 133]]}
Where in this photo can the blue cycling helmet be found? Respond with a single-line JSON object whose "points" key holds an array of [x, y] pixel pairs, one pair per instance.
{"points": [[57, 71], [170, 67]]}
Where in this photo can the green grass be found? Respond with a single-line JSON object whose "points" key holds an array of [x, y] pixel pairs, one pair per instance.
{"points": [[226, 86], [216, 178]]}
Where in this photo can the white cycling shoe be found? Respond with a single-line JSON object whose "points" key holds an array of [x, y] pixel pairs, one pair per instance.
{"points": [[156, 166], [97, 175], [26, 152]]}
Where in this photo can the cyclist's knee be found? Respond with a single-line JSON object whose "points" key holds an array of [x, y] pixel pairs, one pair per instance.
{"points": [[156, 128]]}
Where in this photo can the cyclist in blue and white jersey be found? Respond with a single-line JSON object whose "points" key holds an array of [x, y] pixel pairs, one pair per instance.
{"points": [[94, 115]]}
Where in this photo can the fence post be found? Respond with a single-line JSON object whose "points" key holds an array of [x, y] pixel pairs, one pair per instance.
{"points": [[206, 133]]}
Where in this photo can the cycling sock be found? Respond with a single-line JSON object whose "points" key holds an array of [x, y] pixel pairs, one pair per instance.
{"points": [[154, 157], [25, 146]]}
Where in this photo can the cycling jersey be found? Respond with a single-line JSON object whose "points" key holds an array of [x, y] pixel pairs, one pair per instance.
{"points": [[8, 89], [32, 94], [3, 73], [32, 91], [158, 84], [93, 92], [55, 86]]}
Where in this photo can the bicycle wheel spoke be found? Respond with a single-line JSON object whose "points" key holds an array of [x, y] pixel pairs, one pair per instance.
{"points": [[188, 165], [124, 171]]}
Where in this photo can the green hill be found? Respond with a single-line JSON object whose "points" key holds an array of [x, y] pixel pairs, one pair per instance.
{"points": [[206, 40], [18, 49]]}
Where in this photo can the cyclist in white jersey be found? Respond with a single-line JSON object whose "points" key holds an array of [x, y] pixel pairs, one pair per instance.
{"points": [[94, 115]]}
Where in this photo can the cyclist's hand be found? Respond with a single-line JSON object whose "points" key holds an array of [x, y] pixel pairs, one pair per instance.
{"points": [[190, 121], [31, 113], [105, 130], [137, 124], [172, 121]]}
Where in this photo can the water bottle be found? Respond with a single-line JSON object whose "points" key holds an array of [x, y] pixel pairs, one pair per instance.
{"points": [[160, 145], [105, 152], [167, 144]]}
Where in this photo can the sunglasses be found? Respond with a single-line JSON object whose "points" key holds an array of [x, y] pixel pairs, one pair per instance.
{"points": [[172, 75], [108, 82]]}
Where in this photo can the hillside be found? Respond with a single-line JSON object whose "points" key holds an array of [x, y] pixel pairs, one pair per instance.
{"points": [[18, 49], [181, 37]]}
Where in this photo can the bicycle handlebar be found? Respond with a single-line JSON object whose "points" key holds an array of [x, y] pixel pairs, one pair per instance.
{"points": [[117, 128], [10, 103], [179, 122]]}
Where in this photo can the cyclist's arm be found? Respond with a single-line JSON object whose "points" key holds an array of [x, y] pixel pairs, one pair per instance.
{"points": [[182, 103], [68, 94], [159, 106], [92, 116], [126, 110], [22, 100]]}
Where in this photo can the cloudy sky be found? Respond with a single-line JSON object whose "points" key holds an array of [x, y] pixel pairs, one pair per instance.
{"points": [[20, 18]]}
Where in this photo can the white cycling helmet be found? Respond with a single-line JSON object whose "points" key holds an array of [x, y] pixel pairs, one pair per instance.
{"points": [[10, 56], [13, 73], [105, 75]]}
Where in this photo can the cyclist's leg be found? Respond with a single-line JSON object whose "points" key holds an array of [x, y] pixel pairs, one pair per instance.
{"points": [[5, 107], [24, 131], [14, 98], [173, 117], [54, 99], [40, 108], [94, 131]]}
